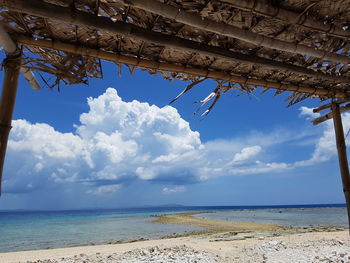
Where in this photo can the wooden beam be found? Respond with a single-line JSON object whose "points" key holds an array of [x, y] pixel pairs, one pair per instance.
{"points": [[265, 8], [342, 155], [329, 115], [161, 66], [29, 76], [329, 105], [75, 17], [12, 65], [10, 47], [221, 28]]}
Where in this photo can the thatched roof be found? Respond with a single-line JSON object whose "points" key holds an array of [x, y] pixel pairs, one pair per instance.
{"points": [[296, 45]]}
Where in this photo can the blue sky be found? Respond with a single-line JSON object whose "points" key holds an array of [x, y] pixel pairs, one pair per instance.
{"points": [[124, 146]]}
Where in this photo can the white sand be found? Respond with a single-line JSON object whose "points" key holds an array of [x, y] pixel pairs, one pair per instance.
{"points": [[222, 247]]}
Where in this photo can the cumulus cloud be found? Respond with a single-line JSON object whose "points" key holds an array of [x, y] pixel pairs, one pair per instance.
{"points": [[117, 142]]}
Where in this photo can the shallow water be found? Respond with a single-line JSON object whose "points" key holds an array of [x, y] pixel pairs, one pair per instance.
{"points": [[297, 217], [23, 230]]}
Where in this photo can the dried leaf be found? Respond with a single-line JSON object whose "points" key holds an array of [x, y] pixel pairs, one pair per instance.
{"points": [[187, 89]]}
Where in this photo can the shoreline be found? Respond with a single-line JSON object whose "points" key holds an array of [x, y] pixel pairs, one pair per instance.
{"points": [[217, 226], [217, 236]]}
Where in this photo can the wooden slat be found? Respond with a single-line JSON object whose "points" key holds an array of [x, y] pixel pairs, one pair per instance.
{"points": [[143, 63], [329, 115], [265, 8], [329, 105], [221, 28], [75, 17]]}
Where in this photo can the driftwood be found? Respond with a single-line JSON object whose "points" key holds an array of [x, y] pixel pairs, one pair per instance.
{"points": [[232, 31], [143, 63]]}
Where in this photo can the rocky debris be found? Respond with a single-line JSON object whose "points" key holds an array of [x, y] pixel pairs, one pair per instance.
{"points": [[173, 254], [310, 251], [157, 254]]}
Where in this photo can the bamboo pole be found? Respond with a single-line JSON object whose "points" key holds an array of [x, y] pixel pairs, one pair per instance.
{"points": [[29, 76], [12, 66], [343, 160], [264, 8], [10, 47], [75, 17], [329, 105], [329, 115], [221, 28], [161, 66]]}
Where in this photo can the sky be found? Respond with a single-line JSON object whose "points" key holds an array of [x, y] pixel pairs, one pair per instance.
{"points": [[117, 143]]}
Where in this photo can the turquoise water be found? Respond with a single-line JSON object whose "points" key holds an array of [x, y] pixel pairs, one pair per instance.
{"points": [[297, 217], [27, 231], [23, 230]]}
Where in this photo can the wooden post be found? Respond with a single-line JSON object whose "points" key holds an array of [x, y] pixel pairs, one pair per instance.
{"points": [[12, 65], [343, 159]]}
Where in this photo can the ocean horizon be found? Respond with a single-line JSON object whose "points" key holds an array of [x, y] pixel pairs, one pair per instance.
{"points": [[40, 229], [171, 206]]}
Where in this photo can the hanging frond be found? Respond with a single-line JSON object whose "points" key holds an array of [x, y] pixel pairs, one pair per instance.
{"points": [[216, 99], [131, 69], [119, 66], [297, 97], [194, 83], [264, 90], [278, 92]]}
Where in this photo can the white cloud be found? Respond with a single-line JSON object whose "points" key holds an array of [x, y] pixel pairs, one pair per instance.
{"points": [[115, 141], [119, 141], [308, 112], [176, 189], [325, 147], [246, 153]]}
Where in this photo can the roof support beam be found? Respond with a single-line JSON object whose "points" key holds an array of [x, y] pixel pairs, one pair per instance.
{"points": [[264, 8], [342, 155], [75, 17], [12, 65], [329, 105], [220, 28], [161, 66], [329, 115], [29, 76], [10, 47]]}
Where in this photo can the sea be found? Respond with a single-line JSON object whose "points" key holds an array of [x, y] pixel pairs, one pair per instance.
{"points": [[30, 230]]}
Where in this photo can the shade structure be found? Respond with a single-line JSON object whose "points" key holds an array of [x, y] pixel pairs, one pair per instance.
{"points": [[258, 44], [296, 46]]}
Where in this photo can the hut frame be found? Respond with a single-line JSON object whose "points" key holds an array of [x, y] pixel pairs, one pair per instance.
{"points": [[298, 46]]}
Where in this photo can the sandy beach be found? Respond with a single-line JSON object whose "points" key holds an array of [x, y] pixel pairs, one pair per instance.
{"points": [[223, 241]]}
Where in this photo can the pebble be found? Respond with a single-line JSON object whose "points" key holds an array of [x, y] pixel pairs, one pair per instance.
{"points": [[178, 254], [314, 251]]}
